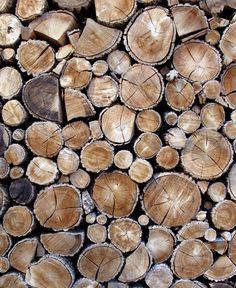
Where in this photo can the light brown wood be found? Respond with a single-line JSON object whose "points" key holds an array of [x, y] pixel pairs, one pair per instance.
{"points": [[192, 230], [229, 129], [231, 180], [167, 158], [163, 190], [11, 83], [15, 154], [170, 118], [95, 128], [220, 245], [217, 191], [210, 235], [6, 5], [148, 121], [140, 170], [224, 215], [97, 233], [27, 10], [6, 241], [85, 282], [159, 276], [4, 199], [10, 30], [67, 161], [102, 219], [100, 68], [188, 284], [213, 116], [123, 159], [111, 187], [4, 168], [4, 264], [118, 61], [64, 52], [176, 138], [228, 41], [12, 279], [228, 85], [80, 179], [147, 145], [232, 248], [212, 89], [189, 121], [8, 55], [58, 207], [13, 113]]}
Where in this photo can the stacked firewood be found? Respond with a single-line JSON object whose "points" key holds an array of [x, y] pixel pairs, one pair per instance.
{"points": [[117, 143]]}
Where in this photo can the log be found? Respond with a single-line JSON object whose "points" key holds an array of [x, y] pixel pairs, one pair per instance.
{"points": [[141, 87], [162, 189], [140, 171], [210, 235], [72, 5], [22, 191], [4, 199], [64, 52], [101, 219], [213, 116], [125, 234], [231, 182], [170, 118], [148, 121], [16, 172], [97, 233], [18, 134], [220, 246], [15, 154], [150, 35], [189, 121], [143, 220], [101, 262], [11, 83], [58, 207], [27, 10], [228, 85], [85, 282], [159, 276], [147, 145], [87, 202], [188, 284], [80, 179], [176, 138], [229, 129], [217, 191], [12, 280], [232, 249], [4, 264], [167, 158], [63, 243], [224, 215], [96, 131], [18, 221], [193, 230], [67, 161], [4, 168], [212, 89], [13, 113], [123, 159], [118, 61], [5, 138], [8, 55], [6, 5], [6, 241], [227, 42], [97, 156], [10, 30], [108, 191]]}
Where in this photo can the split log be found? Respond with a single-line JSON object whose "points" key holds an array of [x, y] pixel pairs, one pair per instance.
{"points": [[44, 139], [10, 30], [123, 159], [56, 267], [159, 276], [76, 134], [220, 245], [13, 113], [213, 116], [4, 199], [12, 280], [97, 156], [167, 158], [148, 121], [228, 85], [4, 264], [108, 194], [163, 190], [125, 234], [192, 230], [147, 145], [192, 58], [176, 138], [214, 154], [179, 94], [80, 179], [23, 253], [97, 233], [228, 41], [87, 202], [217, 191], [140, 171], [117, 124], [26, 10], [141, 87], [62, 243], [4, 168], [191, 259], [64, 52], [35, 57], [150, 35], [102, 91], [42, 171], [15, 154], [101, 262], [99, 38], [67, 161], [160, 243], [11, 83], [114, 13], [95, 128], [5, 241], [18, 221], [224, 215], [134, 269], [48, 106], [189, 121], [58, 207], [118, 61], [22, 191]]}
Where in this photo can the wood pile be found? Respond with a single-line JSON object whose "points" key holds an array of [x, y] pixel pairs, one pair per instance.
{"points": [[117, 143]]}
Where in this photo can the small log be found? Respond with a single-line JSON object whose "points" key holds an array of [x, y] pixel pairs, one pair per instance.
{"points": [[96, 131], [22, 191], [201, 215], [4, 199], [222, 269], [12, 280], [48, 106], [13, 113], [97, 233], [15, 154], [162, 189], [108, 192], [101, 219], [67, 161], [77, 73], [192, 58], [90, 218], [100, 68], [217, 191], [18, 221], [97, 156], [123, 159], [58, 207], [150, 35], [6, 5], [76, 134], [118, 62], [140, 171], [35, 57], [229, 86], [116, 284], [167, 158], [148, 121], [192, 230], [210, 235], [8, 55], [26, 10], [224, 215], [210, 163], [56, 267], [229, 129], [80, 179], [228, 41], [53, 26], [23, 253], [4, 264], [184, 263], [213, 116], [220, 246], [143, 220], [102, 91], [10, 30], [64, 52], [170, 118], [44, 139], [179, 94], [114, 13], [62, 243], [11, 83], [99, 38], [125, 234], [176, 138], [133, 272], [160, 243], [141, 87], [5, 241], [212, 89], [213, 37], [85, 282], [18, 134], [101, 262], [189, 121], [4, 168], [159, 276], [42, 171], [117, 124], [203, 185], [147, 145]]}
